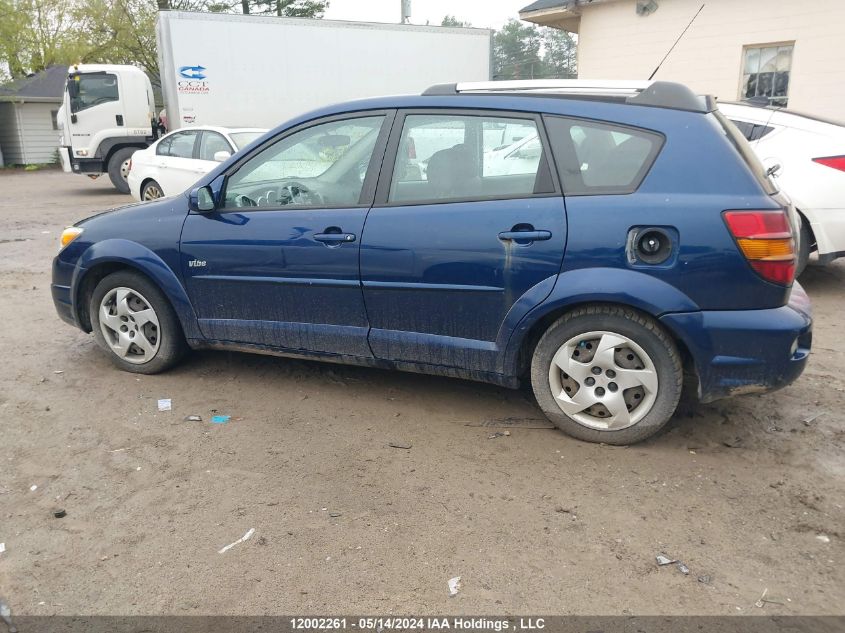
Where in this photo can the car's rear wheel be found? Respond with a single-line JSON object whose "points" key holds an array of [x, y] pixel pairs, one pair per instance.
{"points": [[118, 168], [134, 323], [607, 374], [151, 191], [805, 245]]}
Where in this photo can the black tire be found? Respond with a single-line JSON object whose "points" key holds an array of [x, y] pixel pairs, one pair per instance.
{"points": [[117, 159], [171, 341], [151, 184], [643, 331], [806, 241]]}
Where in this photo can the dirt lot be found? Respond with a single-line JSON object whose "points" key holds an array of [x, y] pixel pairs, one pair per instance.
{"points": [[749, 492]]}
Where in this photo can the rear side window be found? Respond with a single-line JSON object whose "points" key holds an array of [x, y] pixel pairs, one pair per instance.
{"points": [[600, 158], [451, 157], [178, 145], [738, 141]]}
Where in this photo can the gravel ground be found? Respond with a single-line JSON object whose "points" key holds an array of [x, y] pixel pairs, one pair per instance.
{"points": [[747, 492]]}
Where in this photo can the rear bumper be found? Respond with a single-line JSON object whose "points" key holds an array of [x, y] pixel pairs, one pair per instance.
{"points": [[747, 351], [829, 230]]}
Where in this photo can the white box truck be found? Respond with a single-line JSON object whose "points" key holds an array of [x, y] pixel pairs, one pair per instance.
{"points": [[256, 71], [235, 70]]}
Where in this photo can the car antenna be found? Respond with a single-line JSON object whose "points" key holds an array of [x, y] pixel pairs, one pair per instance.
{"points": [[676, 42]]}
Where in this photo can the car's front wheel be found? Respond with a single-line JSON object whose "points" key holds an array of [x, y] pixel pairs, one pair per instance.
{"points": [[151, 191], [134, 323], [607, 374]]}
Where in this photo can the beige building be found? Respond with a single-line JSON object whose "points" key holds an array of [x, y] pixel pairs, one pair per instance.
{"points": [[791, 52]]}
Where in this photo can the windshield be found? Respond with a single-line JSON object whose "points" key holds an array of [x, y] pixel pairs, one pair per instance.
{"points": [[242, 139]]}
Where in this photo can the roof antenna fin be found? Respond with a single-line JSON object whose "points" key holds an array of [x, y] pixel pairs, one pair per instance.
{"points": [[676, 43]]}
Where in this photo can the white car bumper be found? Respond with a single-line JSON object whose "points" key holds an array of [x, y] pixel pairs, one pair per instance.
{"points": [[829, 229], [134, 182]]}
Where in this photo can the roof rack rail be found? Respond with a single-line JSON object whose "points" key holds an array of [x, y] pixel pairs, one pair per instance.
{"points": [[663, 94]]}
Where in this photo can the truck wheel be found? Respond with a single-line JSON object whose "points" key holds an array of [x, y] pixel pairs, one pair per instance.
{"points": [[135, 324], [607, 374], [119, 168], [151, 191]]}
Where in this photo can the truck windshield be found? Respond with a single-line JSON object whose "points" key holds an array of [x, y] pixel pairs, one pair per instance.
{"points": [[92, 89], [242, 139]]}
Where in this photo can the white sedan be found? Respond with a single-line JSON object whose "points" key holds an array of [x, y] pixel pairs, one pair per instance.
{"points": [[806, 155], [177, 160]]}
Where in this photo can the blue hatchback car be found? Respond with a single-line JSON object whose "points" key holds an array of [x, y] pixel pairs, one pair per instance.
{"points": [[608, 243]]}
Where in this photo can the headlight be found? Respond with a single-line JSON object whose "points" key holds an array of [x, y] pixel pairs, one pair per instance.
{"points": [[70, 234]]}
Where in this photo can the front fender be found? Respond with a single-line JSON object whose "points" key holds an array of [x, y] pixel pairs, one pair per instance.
{"points": [[619, 286], [140, 258]]}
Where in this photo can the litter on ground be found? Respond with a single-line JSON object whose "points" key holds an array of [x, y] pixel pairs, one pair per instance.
{"points": [[243, 539], [454, 586], [165, 404], [220, 419], [662, 560]]}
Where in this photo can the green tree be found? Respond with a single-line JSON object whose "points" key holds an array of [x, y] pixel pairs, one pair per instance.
{"points": [[559, 53], [451, 20], [35, 34], [286, 8], [516, 51]]}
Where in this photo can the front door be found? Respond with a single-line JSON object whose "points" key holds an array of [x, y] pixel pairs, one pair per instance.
{"points": [[464, 227], [277, 264]]}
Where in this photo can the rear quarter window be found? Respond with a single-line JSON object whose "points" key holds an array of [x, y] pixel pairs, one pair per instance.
{"points": [[596, 158], [741, 145]]}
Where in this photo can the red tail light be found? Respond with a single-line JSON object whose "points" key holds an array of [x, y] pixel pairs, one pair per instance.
{"points": [[765, 238], [837, 162]]}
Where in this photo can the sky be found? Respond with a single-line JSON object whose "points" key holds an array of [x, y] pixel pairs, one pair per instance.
{"points": [[481, 13]]}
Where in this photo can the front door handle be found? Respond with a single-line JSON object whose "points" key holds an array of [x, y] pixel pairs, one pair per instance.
{"points": [[334, 238], [525, 236]]}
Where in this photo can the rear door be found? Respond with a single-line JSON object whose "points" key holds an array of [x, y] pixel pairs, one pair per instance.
{"points": [[457, 248], [176, 163]]}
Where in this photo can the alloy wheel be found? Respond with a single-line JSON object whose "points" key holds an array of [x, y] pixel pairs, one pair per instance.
{"points": [[153, 192]]}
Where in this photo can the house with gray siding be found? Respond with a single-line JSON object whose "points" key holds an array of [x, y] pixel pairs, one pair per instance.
{"points": [[29, 106]]}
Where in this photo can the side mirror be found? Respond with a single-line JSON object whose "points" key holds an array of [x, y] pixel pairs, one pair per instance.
{"points": [[222, 155], [201, 199], [774, 170]]}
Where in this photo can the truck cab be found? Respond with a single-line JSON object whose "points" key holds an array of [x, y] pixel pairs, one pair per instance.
{"points": [[107, 113]]}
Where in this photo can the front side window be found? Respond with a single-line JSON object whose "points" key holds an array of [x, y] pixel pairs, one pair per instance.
{"points": [[453, 157], [765, 73], [320, 166], [177, 145], [601, 158], [93, 89], [211, 143]]}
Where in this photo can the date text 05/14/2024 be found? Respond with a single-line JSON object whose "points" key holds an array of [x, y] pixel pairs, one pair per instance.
{"points": [[420, 623]]}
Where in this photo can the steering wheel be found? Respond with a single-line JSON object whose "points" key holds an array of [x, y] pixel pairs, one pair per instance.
{"points": [[297, 193], [244, 201]]}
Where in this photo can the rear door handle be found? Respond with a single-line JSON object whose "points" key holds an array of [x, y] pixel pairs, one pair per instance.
{"points": [[334, 238], [525, 236]]}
